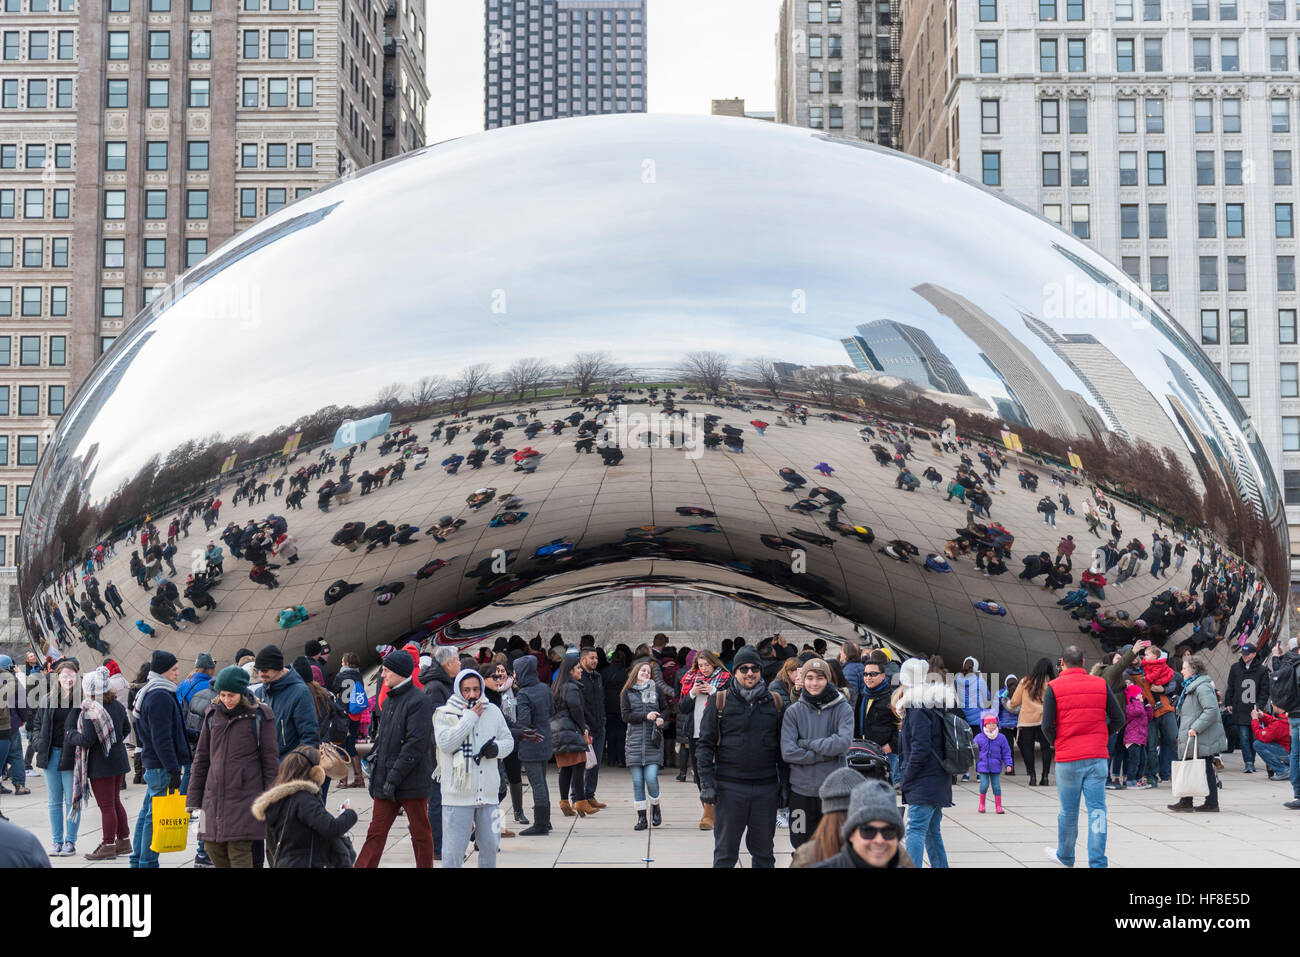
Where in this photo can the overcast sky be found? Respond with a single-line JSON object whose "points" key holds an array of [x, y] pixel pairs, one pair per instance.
{"points": [[698, 49]]}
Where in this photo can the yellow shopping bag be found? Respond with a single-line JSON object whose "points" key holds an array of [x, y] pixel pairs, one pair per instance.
{"points": [[171, 823]]}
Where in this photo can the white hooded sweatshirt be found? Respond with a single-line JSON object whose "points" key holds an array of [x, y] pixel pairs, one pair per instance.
{"points": [[460, 734]]}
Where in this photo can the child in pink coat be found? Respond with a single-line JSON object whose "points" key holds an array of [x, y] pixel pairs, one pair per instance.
{"points": [[1138, 712]]}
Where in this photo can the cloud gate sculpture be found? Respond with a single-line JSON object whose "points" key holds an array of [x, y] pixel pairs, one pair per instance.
{"points": [[635, 350]]}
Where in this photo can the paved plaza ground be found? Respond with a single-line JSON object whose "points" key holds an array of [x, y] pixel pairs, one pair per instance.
{"points": [[1252, 830]]}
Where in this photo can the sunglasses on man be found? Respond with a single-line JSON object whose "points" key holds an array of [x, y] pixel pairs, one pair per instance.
{"points": [[887, 831], [748, 670]]}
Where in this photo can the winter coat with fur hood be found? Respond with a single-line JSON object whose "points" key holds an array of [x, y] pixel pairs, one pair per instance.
{"points": [[299, 830], [920, 740]]}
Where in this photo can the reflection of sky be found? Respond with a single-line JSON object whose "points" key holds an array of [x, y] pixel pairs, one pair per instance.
{"points": [[645, 236]]}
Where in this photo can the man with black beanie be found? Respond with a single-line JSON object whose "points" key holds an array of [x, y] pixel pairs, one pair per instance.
{"points": [[289, 697], [402, 772], [738, 754], [164, 749]]}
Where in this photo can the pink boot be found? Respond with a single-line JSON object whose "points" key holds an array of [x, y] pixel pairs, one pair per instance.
{"points": [[981, 808], [997, 804]]}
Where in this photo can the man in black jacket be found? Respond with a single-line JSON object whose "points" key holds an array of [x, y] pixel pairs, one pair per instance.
{"points": [[1284, 690], [402, 772], [437, 680], [1248, 687], [738, 754], [876, 719], [593, 709]]}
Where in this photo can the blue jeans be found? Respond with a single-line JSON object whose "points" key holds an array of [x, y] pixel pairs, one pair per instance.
{"points": [[1246, 738], [1295, 756], [17, 770], [1049, 517], [1086, 778], [645, 779], [155, 781], [1166, 744], [923, 821], [1274, 757], [893, 765], [58, 790], [593, 774], [994, 780]]}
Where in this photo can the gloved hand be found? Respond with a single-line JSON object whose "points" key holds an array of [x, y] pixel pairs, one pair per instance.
{"points": [[708, 795], [489, 750], [533, 736], [389, 793], [174, 782]]}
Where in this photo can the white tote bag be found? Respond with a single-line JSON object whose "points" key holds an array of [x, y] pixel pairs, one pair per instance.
{"points": [[1189, 776]]}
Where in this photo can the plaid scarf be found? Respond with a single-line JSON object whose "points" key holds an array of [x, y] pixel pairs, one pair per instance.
{"points": [[94, 713], [716, 680]]}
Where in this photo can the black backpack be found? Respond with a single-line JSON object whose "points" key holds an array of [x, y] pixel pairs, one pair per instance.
{"points": [[958, 742], [1284, 691], [333, 726]]}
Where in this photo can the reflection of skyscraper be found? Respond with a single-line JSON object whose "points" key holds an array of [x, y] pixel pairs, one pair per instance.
{"points": [[1129, 407], [1043, 400], [1211, 468], [1231, 452], [1012, 412], [861, 355], [786, 370], [909, 353]]}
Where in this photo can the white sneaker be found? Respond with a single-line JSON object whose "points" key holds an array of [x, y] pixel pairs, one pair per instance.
{"points": [[1052, 856], [783, 818], [56, 850], [34, 773], [69, 849]]}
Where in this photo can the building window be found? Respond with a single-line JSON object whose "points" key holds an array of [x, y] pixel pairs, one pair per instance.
{"points": [[816, 119], [306, 91], [115, 204], [1236, 274], [1151, 9], [277, 155], [160, 45], [1047, 56], [20, 499], [1078, 169], [1127, 115], [1124, 56], [1232, 116], [1238, 331], [248, 203], [1228, 58], [988, 10], [1232, 167], [56, 394], [119, 44], [1074, 9], [111, 305], [1046, 10], [1282, 225], [988, 56], [834, 47], [1155, 115], [63, 156], [304, 160], [1155, 168], [277, 92], [277, 46], [37, 94], [1286, 274], [1128, 168], [251, 45], [1123, 9], [1051, 169], [58, 300], [155, 253], [992, 169], [156, 155], [59, 253], [1204, 168], [1152, 55], [1209, 274], [1157, 221], [1277, 9], [1281, 112], [1078, 110], [155, 204], [32, 298], [814, 11], [63, 94], [1205, 220], [29, 350], [29, 403], [1290, 423], [1050, 112], [116, 95], [1286, 328], [195, 251], [1201, 61], [837, 82], [1077, 53], [1129, 222], [114, 253], [814, 81], [33, 253], [27, 445], [1277, 53], [837, 117], [815, 47], [1234, 220], [199, 92], [1132, 266], [249, 93], [196, 203], [1204, 113], [6, 301], [200, 44], [306, 44], [198, 155], [1240, 376], [1227, 9], [1159, 273], [1281, 167], [275, 199], [1079, 220]]}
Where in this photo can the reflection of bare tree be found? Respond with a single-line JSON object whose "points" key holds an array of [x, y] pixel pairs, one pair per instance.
{"points": [[823, 382], [526, 374], [590, 368], [424, 392], [388, 397], [764, 371], [472, 379], [708, 369]]}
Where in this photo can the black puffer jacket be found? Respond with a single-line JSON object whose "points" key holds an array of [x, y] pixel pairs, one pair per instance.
{"points": [[300, 832], [743, 744], [401, 755], [593, 700], [569, 722], [438, 688]]}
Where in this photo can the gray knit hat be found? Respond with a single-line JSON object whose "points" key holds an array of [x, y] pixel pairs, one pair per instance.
{"points": [[872, 800], [837, 787]]}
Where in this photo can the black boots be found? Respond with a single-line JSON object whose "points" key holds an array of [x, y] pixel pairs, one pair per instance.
{"points": [[541, 822], [641, 824], [655, 817], [517, 800], [1184, 805]]}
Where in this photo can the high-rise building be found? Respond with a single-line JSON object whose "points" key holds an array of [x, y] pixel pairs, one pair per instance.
{"points": [[907, 352], [556, 58], [406, 91], [835, 67], [1165, 135], [136, 136]]}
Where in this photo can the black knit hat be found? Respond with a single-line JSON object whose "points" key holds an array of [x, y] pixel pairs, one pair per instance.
{"points": [[162, 662], [303, 667], [746, 656], [313, 648], [270, 658], [400, 662]]}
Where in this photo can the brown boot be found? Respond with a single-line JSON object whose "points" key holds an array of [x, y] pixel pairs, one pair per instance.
{"points": [[506, 832], [105, 852], [596, 804], [706, 821], [584, 808], [566, 809], [123, 846], [358, 776]]}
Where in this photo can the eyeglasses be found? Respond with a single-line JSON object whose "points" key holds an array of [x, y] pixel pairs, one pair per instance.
{"points": [[748, 670], [872, 674], [869, 832]]}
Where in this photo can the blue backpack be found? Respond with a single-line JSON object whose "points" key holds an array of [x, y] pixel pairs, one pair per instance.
{"points": [[358, 701]]}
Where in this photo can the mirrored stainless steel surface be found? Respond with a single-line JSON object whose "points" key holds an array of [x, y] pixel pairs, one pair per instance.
{"points": [[594, 271]]}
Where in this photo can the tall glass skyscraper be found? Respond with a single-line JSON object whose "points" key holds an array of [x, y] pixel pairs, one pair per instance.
{"points": [[556, 58]]}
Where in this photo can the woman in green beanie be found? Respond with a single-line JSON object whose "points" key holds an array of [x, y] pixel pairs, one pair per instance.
{"points": [[236, 760]]}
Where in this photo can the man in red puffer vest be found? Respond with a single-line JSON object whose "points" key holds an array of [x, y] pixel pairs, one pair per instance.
{"points": [[1079, 712]]}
